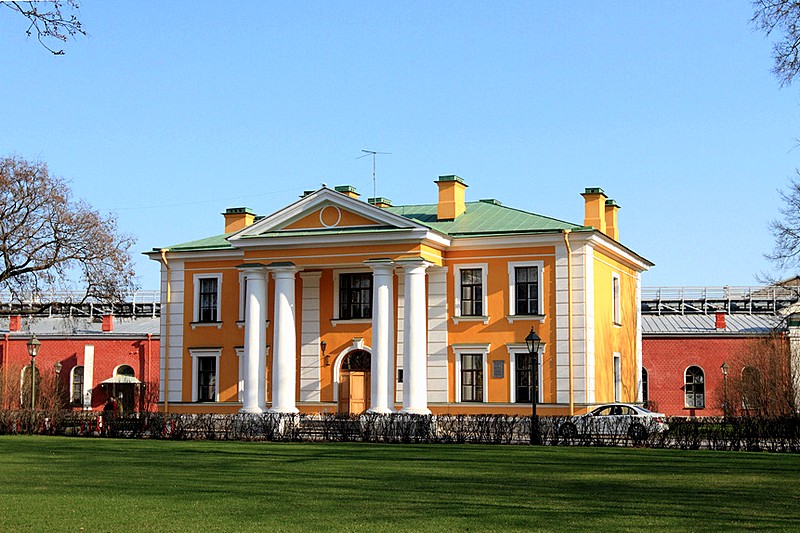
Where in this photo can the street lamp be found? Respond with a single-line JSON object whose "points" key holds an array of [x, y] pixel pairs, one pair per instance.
{"points": [[57, 367], [533, 342], [33, 351], [725, 368]]}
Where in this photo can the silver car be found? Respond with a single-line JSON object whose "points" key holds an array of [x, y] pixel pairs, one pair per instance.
{"points": [[615, 419]]}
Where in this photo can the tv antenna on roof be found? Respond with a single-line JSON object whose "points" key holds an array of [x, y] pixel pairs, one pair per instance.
{"points": [[373, 153]]}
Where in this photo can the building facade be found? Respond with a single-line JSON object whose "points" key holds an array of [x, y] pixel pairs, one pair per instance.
{"points": [[333, 304], [690, 333], [84, 358]]}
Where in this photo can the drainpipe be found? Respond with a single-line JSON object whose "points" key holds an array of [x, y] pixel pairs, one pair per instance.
{"points": [[147, 362], [166, 330], [6, 358], [569, 320]]}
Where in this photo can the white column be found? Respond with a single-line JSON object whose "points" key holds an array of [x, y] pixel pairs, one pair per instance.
{"points": [[284, 359], [255, 341], [382, 370], [415, 393]]}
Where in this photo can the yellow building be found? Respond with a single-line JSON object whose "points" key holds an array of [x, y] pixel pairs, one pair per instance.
{"points": [[333, 304]]}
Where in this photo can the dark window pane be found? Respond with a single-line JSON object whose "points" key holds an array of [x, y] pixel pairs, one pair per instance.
{"points": [[208, 300], [526, 293], [471, 377], [206, 378], [355, 296]]}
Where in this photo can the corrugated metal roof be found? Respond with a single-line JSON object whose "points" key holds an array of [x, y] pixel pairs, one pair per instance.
{"points": [[705, 324], [71, 326], [482, 218]]}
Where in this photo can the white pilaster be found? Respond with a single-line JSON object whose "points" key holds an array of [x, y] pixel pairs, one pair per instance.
{"points": [[255, 341], [415, 394], [171, 372], [382, 371], [437, 335], [309, 338], [284, 370], [88, 376]]}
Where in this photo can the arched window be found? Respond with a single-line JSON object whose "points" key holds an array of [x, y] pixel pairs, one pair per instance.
{"points": [[751, 383], [125, 370], [76, 386], [645, 387], [695, 388], [25, 386], [357, 360]]}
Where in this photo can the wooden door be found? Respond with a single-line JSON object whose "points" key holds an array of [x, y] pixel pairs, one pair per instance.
{"points": [[354, 392]]}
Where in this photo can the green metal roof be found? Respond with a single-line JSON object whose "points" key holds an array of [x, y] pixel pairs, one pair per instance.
{"points": [[483, 218], [216, 242]]}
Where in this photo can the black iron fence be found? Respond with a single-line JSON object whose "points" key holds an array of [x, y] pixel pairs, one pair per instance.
{"points": [[733, 433]]}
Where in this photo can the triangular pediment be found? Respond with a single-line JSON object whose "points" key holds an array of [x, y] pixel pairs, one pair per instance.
{"points": [[325, 210]]}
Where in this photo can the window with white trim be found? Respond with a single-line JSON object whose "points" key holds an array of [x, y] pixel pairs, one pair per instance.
{"points": [[521, 375], [525, 288], [695, 388], [207, 290], [615, 297], [76, 385], [205, 382], [470, 294], [471, 373]]}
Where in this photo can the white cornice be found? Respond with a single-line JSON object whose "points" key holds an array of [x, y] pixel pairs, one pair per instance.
{"points": [[420, 235], [506, 241], [602, 242], [197, 254]]}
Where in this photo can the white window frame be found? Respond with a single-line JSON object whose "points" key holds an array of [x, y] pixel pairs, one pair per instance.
{"points": [[617, 374], [72, 384], [196, 310], [512, 283], [336, 274], [457, 316], [483, 350], [705, 388], [513, 350], [196, 353], [616, 299]]}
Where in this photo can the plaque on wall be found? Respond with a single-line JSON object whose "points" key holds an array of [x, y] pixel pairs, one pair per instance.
{"points": [[498, 368]]}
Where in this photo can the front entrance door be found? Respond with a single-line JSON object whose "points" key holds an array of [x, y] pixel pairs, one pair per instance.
{"points": [[354, 383]]}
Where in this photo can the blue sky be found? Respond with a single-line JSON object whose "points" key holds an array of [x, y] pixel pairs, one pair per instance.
{"points": [[170, 112]]}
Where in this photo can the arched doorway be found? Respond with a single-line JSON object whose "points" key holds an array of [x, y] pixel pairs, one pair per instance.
{"points": [[354, 382]]}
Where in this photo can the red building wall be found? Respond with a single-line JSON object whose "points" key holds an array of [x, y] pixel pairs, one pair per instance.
{"points": [[667, 358], [142, 354]]}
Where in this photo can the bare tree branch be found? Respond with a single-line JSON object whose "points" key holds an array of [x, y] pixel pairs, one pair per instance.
{"points": [[49, 241], [49, 20]]}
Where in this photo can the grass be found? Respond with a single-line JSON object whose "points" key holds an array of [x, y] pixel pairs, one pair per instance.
{"points": [[72, 484]]}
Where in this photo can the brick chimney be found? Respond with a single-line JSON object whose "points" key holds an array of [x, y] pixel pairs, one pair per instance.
{"points": [[595, 208], [719, 323], [612, 226], [15, 323], [237, 218], [451, 197], [348, 190], [108, 323]]}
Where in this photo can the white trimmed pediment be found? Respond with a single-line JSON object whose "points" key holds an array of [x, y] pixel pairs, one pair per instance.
{"points": [[325, 209]]}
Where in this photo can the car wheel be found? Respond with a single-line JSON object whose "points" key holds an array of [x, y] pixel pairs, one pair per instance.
{"points": [[637, 432], [568, 430]]}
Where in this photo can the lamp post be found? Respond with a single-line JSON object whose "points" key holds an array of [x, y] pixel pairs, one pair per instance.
{"points": [[57, 368], [533, 342], [33, 351], [725, 368]]}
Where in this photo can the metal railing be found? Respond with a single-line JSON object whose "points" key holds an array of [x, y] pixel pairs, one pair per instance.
{"points": [[72, 304], [705, 300]]}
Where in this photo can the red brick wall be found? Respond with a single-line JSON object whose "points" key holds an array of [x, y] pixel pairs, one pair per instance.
{"points": [[666, 361], [142, 355]]}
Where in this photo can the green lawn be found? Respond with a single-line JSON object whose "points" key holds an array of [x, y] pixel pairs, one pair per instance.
{"points": [[73, 484]]}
